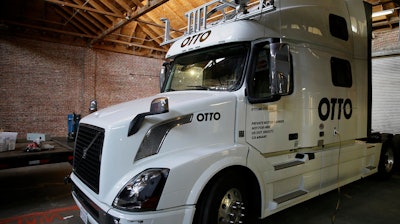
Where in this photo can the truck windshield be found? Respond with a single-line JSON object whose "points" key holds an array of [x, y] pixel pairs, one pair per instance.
{"points": [[217, 68]]}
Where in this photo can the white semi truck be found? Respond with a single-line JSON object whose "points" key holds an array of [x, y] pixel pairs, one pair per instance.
{"points": [[265, 104]]}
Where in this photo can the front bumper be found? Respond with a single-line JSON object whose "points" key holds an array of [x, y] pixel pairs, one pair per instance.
{"points": [[91, 213]]}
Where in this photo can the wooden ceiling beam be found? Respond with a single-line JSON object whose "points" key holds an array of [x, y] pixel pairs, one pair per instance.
{"points": [[124, 5], [48, 29], [135, 45], [97, 6], [128, 31], [124, 50], [136, 14], [149, 32], [134, 25], [153, 33], [394, 20], [138, 3], [97, 20], [140, 37], [175, 12], [109, 6], [78, 19], [63, 14], [61, 3]]}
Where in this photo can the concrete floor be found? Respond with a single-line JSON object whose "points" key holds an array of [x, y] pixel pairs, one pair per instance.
{"points": [[38, 195], [367, 201]]}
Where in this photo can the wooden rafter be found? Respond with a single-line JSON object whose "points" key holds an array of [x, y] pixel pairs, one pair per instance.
{"points": [[124, 5], [136, 45], [71, 14], [78, 26], [64, 3], [49, 29], [153, 34], [136, 14], [126, 26], [104, 20]]}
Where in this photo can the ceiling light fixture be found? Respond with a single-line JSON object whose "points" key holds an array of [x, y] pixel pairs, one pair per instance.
{"points": [[382, 13]]}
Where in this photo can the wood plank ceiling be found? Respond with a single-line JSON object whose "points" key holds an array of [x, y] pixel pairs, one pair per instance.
{"points": [[125, 26], [390, 19]]}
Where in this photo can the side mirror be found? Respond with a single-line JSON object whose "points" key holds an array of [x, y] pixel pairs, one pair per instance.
{"points": [[93, 106], [158, 106], [281, 69]]}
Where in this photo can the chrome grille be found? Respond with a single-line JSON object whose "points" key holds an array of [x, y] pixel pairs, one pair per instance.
{"points": [[87, 155]]}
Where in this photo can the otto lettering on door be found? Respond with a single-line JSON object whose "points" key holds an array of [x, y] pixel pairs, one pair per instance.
{"points": [[334, 108]]}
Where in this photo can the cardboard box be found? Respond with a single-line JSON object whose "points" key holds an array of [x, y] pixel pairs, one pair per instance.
{"points": [[38, 136]]}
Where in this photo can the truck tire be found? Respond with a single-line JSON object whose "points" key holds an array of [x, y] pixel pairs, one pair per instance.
{"points": [[387, 160], [229, 199], [396, 147]]}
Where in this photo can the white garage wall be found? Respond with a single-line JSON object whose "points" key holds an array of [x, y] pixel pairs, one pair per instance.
{"points": [[386, 94]]}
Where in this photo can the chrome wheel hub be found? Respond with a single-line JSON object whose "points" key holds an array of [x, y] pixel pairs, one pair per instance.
{"points": [[389, 160], [232, 209]]}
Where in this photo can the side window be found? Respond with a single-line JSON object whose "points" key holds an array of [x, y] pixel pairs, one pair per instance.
{"points": [[341, 72], [338, 27], [270, 74], [261, 77]]}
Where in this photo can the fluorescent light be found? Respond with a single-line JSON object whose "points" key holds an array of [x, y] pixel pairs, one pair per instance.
{"points": [[382, 13]]}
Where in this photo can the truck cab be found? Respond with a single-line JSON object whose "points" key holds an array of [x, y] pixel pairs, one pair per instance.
{"points": [[263, 105]]}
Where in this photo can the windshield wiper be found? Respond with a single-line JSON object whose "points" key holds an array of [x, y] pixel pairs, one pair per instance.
{"points": [[199, 87]]}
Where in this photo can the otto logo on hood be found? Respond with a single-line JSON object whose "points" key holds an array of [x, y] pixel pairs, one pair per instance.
{"points": [[212, 116], [195, 38]]}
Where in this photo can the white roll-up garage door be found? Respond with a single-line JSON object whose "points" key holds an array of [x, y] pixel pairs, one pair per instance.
{"points": [[386, 94]]}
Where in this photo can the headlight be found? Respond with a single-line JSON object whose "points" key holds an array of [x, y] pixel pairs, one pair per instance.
{"points": [[142, 192]]}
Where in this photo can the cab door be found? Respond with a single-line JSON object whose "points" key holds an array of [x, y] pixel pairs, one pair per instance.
{"points": [[269, 113]]}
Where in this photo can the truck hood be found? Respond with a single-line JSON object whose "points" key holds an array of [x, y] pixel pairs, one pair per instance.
{"points": [[212, 123], [180, 103]]}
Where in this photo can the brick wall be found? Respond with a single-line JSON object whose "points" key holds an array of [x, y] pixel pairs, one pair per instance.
{"points": [[41, 83], [125, 77], [385, 41]]}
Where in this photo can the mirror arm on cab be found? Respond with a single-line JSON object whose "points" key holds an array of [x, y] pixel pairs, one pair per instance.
{"points": [[158, 106]]}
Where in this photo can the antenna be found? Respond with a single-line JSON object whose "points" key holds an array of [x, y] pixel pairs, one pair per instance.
{"points": [[219, 11], [167, 36]]}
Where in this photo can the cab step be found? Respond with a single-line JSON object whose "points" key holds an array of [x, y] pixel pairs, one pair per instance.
{"points": [[370, 167], [288, 164], [290, 196], [300, 158]]}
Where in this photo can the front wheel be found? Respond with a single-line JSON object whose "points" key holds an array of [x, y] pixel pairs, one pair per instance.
{"points": [[387, 159], [229, 199]]}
